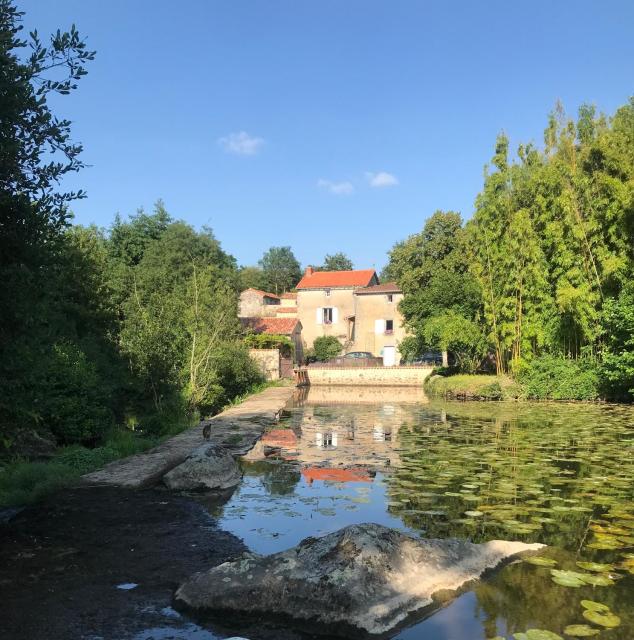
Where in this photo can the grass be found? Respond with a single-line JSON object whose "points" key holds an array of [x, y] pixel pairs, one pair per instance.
{"points": [[473, 387], [24, 482]]}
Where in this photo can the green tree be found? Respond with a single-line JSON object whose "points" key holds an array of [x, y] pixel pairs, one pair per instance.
{"points": [[37, 152], [281, 269], [252, 278], [337, 262], [432, 269]]}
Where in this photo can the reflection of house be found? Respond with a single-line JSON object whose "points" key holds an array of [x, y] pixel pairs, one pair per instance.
{"points": [[352, 306], [289, 327], [256, 303]]}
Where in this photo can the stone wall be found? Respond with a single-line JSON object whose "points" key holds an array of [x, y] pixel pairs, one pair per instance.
{"points": [[269, 362], [390, 376]]}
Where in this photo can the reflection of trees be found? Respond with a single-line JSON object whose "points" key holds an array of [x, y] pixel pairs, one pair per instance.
{"points": [[278, 478], [524, 597]]}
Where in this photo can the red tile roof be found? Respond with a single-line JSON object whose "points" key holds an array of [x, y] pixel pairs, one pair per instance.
{"points": [[291, 295], [262, 293], [336, 475], [277, 326], [386, 287], [327, 279]]}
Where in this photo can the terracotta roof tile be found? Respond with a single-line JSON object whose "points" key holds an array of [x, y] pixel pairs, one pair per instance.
{"points": [[387, 287], [290, 295], [326, 279], [277, 326]]}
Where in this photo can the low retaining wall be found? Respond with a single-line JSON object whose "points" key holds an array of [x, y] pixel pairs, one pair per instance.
{"points": [[367, 376]]}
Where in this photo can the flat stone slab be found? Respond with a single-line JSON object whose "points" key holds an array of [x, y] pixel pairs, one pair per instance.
{"points": [[363, 578], [237, 429]]}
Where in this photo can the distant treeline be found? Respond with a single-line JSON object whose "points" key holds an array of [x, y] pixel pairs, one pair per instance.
{"points": [[539, 282]]}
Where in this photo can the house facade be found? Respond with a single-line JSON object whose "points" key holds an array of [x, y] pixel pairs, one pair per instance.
{"points": [[353, 307], [325, 303], [378, 324]]}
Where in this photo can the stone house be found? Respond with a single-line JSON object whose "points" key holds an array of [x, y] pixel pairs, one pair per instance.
{"points": [[258, 304], [377, 325], [325, 302], [353, 307]]}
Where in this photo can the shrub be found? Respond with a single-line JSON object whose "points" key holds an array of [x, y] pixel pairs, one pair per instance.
{"points": [[270, 341], [74, 407], [326, 347], [551, 377]]}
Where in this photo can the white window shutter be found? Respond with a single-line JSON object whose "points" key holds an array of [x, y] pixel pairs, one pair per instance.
{"points": [[379, 326], [335, 315], [320, 315]]}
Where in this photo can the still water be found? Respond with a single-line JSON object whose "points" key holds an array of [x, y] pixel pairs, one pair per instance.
{"points": [[559, 474]]}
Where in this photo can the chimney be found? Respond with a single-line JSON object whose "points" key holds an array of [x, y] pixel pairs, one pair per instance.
{"points": [[309, 271]]}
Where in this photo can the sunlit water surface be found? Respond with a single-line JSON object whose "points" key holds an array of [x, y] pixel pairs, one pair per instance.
{"points": [[559, 474]]}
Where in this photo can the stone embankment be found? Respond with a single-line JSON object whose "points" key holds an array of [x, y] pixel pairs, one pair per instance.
{"points": [[237, 430]]}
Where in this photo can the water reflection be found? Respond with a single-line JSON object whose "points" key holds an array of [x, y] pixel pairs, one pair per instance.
{"points": [[557, 474]]}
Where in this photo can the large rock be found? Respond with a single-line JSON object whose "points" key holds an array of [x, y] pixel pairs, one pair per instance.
{"points": [[208, 467], [364, 576]]}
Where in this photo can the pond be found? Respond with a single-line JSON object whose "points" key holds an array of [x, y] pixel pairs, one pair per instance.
{"points": [[559, 474]]}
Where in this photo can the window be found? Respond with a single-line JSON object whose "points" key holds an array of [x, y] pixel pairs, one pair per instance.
{"points": [[389, 326], [390, 297], [328, 315], [327, 293]]}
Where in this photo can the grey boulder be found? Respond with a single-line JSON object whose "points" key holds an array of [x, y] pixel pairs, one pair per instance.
{"points": [[365, 576], [208, 467]]}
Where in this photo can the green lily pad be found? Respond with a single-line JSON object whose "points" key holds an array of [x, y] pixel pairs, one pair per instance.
{"points": [[520, 636], [608, 619], [591, 605], [598, 580], [541, 561], [567, 578], [595, 566], [580, 631], [542, 634]]}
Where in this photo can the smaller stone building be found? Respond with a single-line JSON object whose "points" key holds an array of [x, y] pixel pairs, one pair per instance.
{"points": [[289, 327], [256, 303]]}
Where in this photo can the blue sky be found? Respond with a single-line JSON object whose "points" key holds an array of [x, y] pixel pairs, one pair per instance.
{"points": [[332, 125]]}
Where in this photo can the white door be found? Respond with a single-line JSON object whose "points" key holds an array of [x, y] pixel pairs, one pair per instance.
{"points": [[389, 356]]}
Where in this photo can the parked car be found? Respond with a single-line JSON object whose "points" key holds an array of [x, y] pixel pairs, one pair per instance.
{"points": [[356, 359], [427, 359]]}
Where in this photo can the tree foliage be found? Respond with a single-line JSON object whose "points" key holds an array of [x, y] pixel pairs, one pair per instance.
{"points": [[97, 329], [336, 262], [281, 269], [543, 266]]}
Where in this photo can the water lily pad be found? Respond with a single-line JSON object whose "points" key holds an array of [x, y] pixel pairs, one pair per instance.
{"points": [[595, 566], [607, 619], [598, 580], [541, 561], [580, 631], [567, 578], [542, 634], [591, 605]]}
